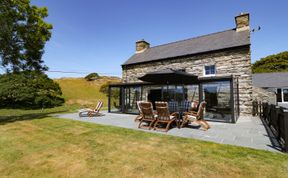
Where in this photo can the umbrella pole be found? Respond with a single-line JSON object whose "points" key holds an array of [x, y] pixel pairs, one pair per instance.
{"points": [[168, 90]]}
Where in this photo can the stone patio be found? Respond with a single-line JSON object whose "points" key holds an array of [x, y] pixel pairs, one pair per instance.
{"points": [[247, 132]]}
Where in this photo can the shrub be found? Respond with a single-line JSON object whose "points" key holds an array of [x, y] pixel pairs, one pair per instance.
{"points": [[273, 63], [92, 76], [105, 88], [29, 89]]}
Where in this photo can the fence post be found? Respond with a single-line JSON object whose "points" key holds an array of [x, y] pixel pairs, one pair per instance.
{"points": [[254, 108], [257, 108], [260, 109], [285, 112], [276, 120], [265, 111]]}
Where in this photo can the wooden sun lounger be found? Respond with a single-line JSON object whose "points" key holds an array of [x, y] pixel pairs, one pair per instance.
{"points": [[91, 112]]}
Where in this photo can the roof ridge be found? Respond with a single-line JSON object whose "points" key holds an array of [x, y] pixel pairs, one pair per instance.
{"points": [[191, 38], [270, 73]]}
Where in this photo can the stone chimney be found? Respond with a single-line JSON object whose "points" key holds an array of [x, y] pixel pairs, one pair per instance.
{"points": [[242, 22], [141, 46]]}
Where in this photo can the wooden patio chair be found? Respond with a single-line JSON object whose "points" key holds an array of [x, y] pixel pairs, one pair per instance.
{"points": [[148, 115], [161, 104], [140, 116], [196, 117], [164, 117], [194, 105], [91, 112], [165, 104]]}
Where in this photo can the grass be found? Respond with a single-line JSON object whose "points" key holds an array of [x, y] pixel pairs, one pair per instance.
{"points": [[80, 91], [50, 147], [11, 115]]}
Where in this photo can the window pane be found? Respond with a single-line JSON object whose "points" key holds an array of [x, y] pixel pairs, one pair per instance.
{"points": [[212, 69], [115, 99], [132, 95], [209, 70], [191, 92], [279, 95], [285, 95], [217, 95]]}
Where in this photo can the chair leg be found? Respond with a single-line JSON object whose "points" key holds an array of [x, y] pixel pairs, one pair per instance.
{"points": [[200, 122], [183, 123], [139, 126], [168, 125], [208, 126], [138, 118], [151, 125], [155, 124]]}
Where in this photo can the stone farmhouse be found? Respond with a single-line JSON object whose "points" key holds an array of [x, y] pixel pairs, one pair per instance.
{"points": [[214, 67]]}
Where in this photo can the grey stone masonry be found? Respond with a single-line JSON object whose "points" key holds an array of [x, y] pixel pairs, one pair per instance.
{"points": [[234, 61], [260, 94]]}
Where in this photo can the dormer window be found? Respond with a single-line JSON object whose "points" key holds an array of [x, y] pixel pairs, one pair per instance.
{"points": [[209, 70]]}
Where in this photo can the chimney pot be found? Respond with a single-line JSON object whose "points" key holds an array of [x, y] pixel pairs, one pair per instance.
{"points": [[242, 22], [141, 46]]}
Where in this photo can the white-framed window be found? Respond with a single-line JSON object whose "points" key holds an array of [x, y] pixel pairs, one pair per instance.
{"points": [[282, 95], [209, 70], [285, 95]]}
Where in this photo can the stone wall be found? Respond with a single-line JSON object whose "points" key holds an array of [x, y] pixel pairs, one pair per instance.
{"points": [[263, 95], [229, 62]]}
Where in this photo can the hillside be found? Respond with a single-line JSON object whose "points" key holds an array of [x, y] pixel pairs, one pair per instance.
{"points": [[273, 63], [80, 91]]}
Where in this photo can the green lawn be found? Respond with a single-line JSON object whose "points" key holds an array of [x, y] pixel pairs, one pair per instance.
{"points": [[50, 147], [11, 115]]}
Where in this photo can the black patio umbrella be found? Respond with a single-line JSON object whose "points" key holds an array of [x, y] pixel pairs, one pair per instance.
{"points": [[169, 76]]}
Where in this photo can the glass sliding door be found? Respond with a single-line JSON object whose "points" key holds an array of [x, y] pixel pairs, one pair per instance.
{"points": [[168, 93], [174, 95], [131, 96], [179, 94], [115, 99], [236, 99], [218, 98], [191, 92], [154, 94]]}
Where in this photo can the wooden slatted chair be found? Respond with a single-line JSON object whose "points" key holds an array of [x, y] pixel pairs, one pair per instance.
{"points": [[140, 116], [196, 117], [91, 112], [148, 115], [194, 106], [161, 104], [164, 117]]}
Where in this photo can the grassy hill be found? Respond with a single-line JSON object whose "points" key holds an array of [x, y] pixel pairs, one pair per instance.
{"points": [[81, 92]]}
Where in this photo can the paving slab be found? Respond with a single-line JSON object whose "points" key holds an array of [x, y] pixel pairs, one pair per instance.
{"points": [[248, 131]]}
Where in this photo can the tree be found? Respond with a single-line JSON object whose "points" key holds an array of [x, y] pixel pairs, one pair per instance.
{"points": [[272, 63], [29, 89], [92, 76], [105, 88], [23, 34]]}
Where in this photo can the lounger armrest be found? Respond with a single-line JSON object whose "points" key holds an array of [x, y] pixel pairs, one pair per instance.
{"points": [[175, 114], [186, 113]]}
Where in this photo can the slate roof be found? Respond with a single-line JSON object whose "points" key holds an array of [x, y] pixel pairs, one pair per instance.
{"points": [[206, 43], [270, 80]]}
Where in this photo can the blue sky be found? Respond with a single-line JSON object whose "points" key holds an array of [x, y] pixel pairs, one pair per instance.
{"points": [[98, 36]]}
